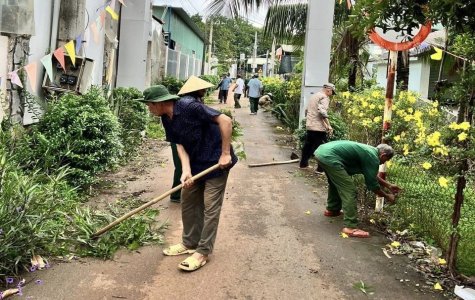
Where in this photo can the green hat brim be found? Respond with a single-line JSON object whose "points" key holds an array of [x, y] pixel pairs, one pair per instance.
{"points": [[160, 99]]}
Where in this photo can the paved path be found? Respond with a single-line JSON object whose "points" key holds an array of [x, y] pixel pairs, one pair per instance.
{"points": [[267, 246]]}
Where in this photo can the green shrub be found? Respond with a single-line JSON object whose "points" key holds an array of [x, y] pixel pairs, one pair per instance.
{"points": [[78, 131], [133, 117], [172, 84], [340, 130], [155, 129], [214, 79], [41, 214]]}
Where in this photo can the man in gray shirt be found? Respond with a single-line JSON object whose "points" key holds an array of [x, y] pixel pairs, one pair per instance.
{"points": [[254, 92]]}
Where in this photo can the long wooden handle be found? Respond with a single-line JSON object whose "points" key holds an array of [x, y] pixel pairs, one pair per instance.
{"points": [[151, 202], [274, 163]]}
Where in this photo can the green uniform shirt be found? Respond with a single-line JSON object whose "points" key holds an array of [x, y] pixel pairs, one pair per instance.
{"points": [[355, 158]]}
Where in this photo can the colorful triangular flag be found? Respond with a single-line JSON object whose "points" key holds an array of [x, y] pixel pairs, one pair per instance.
{"points": [[112, 13], [78, 43], [437, 55], [32, 72], [95, 33], [102, 16], [71, 51], [59, 54], [48, 64], [13, 75]]}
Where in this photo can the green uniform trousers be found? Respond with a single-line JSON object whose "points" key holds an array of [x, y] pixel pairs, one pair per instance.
{"points": [[341, 192], [177, 174]]}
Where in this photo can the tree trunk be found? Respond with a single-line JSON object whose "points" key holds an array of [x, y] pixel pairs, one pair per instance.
{"points": [[353, 55], [403, 70]]}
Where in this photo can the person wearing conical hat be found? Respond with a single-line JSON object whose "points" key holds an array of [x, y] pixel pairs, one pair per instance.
{"points": [[203, 138]]}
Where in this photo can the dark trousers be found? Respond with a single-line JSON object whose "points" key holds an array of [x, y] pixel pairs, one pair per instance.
{"points": [[223, 96], [177, 174], [313, 140], [254, 104], [236, 100]]}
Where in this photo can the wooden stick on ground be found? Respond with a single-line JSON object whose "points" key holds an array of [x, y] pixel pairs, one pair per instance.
{"points": [[274, 163], [151, 202]]}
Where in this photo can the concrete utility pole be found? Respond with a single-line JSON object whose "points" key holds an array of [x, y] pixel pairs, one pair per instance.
{"points": [[317, 49], [254, 55], [272, 59], [210, 48]]}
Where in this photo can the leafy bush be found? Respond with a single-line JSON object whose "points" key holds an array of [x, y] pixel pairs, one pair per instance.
{"points": [[43, 215], [340, 130], [214, 79], [172, 84], [78, 131], [287, 109], [155, 129], [133, 117]]}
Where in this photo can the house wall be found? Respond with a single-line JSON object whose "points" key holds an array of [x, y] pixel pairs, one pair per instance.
{"points": [[185, 38], [134, 34], [419, 75]]}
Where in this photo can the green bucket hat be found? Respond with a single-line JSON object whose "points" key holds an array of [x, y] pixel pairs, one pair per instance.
{"points": [[157, 93]]}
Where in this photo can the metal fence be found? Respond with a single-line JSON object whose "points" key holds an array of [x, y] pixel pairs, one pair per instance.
{"points": [[182, 66]]}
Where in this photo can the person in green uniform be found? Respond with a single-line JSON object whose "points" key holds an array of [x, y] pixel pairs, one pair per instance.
{"points": [[340, 160]]}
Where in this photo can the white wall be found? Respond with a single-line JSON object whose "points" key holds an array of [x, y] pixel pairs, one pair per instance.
{"points": [[95, 51], [39, 47], [134, 36]]}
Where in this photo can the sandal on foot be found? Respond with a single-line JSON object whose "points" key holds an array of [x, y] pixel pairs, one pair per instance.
{"points": [[191, 264], [332, 213], [177, 249], [357, 233]]}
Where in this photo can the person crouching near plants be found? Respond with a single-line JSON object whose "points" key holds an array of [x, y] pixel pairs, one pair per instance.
{"points": [[342, 159], [203, 138]]}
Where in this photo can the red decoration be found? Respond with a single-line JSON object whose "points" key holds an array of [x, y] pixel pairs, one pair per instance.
{"points": [[393, 46]]}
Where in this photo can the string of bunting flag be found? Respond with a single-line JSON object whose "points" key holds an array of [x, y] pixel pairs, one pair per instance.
{"points": [[72, 47]]}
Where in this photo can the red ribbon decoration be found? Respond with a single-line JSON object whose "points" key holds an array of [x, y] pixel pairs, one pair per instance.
{"points": [[393, 46]]}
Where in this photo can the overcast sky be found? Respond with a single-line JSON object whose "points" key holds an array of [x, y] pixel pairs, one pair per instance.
{"points": [[199, 6]]}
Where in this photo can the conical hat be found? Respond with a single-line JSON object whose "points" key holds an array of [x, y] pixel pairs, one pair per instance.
{"points": [[194, 84]]}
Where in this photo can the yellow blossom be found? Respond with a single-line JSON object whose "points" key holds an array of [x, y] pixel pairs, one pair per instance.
{"points": [[372, 106], [434, 139], [427, 165], [408, 118], [417, 114], [411, 99], [380, 107], [443, 182], [375, 94], [395, 244], [377, 119], [464, 126], [397, 138], [442, 261], [438, 287], [364, 103], [361, 114], [433, 112], [344, 235], [403, 134], [406, 149], [462, 136], [435, 104], [388, 164], [442, 150], [410, 110], [454, 126], [346, 94]]}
